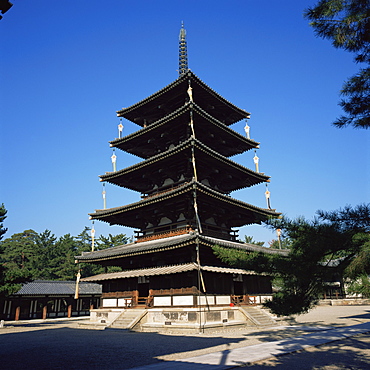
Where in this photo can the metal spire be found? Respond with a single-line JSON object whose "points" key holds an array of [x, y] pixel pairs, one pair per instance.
{"points": [[183, 53]]}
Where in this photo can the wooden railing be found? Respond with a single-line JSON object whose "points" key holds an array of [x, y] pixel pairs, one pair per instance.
{"points": [[159, 292], [244, 299], [164, 234]]}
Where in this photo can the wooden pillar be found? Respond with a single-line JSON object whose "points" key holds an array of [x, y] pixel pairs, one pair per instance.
{"points": [[17, 313], [69, 311], [44, 312]]}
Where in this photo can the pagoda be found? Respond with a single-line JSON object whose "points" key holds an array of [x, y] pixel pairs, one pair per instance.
{"points": [[185, 178]]}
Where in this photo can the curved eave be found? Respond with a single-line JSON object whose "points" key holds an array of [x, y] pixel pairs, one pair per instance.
{"points": [[132, 113], [134, 249], [117, 177], [210, 241], [166, 270], [148, 132], [262, 212], [174, 242], [114, 216]]}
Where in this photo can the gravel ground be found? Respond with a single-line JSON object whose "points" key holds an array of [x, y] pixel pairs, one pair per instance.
{"points": [[62, 345]]}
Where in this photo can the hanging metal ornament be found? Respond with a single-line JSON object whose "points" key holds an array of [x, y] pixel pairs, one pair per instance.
{"points": [[120, 129], [114, 161], [104, 197], [256, 161]]}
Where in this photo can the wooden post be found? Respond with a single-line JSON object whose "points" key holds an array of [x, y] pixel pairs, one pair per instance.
{"points": [[44, 312], [17, 313], [69, 310]]}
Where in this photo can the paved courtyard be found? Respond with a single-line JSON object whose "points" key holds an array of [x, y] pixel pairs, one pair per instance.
{"points": [[62, 345]]}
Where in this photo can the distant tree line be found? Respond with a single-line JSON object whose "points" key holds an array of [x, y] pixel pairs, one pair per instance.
{"points": [[29, 255]]}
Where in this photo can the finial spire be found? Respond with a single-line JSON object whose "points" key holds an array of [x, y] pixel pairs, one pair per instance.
{"points": [[183, 54]]}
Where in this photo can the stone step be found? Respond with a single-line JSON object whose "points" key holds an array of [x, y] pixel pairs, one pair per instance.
{"points": [[259, 317], [126, 318]]}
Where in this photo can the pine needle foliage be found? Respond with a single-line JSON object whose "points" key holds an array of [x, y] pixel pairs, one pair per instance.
{"points": [[347, 24], [332, 244]]}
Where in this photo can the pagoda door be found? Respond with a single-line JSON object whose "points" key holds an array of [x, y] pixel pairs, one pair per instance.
{"points": [[238, 284], [143, 286]]}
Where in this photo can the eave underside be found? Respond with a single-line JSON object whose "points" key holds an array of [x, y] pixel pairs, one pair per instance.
{"points": [[175, 128], [165, 270], [171, 243], [220, 172], [170, 204], [173, 96]]}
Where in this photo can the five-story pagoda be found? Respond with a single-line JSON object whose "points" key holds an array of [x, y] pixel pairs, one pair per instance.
{"points": [[185, 178]]}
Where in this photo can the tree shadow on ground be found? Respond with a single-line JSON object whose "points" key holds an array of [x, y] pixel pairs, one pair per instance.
{"points": [[284, 332], [352, 353], [69, 348], [361, 317]]}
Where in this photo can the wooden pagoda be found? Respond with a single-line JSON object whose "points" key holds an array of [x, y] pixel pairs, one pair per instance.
{"points": [[185, 179]]}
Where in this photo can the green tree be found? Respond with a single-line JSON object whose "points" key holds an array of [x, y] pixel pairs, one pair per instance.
{"points": [[249, 240], [340, 236], [19, 256], [44, 247], [3, 230], [63, 266], [3, 213], [347, 24], [285, 243], [111, 241]]}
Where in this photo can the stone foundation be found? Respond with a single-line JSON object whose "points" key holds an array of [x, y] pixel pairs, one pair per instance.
{"points": [[191, 320]]}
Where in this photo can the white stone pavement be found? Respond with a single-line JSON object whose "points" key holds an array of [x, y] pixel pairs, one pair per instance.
{"points": [[245, 355]]}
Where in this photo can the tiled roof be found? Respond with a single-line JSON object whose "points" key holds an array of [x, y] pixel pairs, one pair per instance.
{"points": [[165, 270], [172, 242], [48, 287], [150, 104], [138, 248], [123, 215], [122, 178], [184, 111]]}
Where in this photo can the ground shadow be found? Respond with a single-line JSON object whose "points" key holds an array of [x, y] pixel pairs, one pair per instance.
{"points": [[360, 317], [69, 348], [352, 353]]}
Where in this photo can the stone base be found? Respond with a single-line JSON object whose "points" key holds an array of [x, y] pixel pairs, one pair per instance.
{"points": [[192, 320]]}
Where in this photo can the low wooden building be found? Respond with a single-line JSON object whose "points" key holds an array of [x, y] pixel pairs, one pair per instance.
{"points": [[43, 299]]}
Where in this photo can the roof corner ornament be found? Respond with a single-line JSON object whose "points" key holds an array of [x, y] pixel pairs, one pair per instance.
{"points": [[256, 160], [267, 195], [183, 53], [120, 128], [192, 125], [247, 129], [278, 233], [114, 161], [104, 197], [190, 93]]}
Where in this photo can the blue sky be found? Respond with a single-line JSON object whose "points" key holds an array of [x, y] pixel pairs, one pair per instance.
{"points": [[68, 66]]}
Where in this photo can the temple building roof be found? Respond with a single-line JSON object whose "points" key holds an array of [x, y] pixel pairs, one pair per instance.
{"points": [[148, 141], [166, 270], [174, 95], [173, 242], [210, 202], [55, 288], [226, 175]]}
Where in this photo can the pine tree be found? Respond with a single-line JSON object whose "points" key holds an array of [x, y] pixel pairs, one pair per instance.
{"points": [[341, 236], [3, 213], [347, 24]]}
